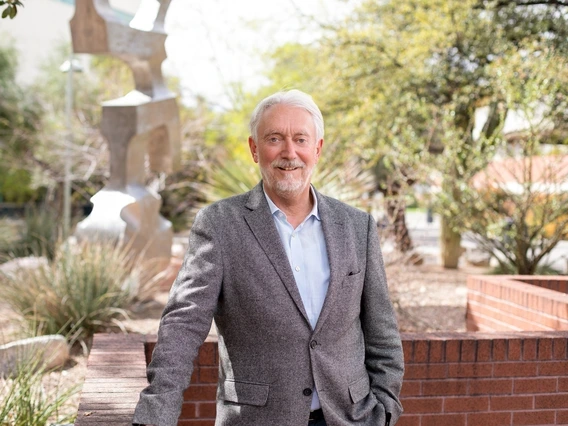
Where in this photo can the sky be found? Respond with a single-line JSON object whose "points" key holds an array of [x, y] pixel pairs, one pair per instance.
{"points": [[215, 43]]}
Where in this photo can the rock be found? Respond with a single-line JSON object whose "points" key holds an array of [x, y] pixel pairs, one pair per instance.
{"points": [[49, 352], [22, 263], [415, 259]]}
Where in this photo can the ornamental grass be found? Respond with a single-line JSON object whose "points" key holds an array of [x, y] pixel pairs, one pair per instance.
{"points": [[86, 288], [26, 400]]}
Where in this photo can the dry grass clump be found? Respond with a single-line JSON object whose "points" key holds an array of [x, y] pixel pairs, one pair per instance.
{"points": [[86, 288]]}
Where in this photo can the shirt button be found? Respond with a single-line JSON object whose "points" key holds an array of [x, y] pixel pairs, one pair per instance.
{"points": [[307, 392], [297, 268], [313, 344], [293, 235]]}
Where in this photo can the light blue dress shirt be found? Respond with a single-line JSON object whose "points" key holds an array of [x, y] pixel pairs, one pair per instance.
{"points": [[307, 254]]}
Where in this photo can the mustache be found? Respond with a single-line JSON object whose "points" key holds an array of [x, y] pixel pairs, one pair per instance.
{"points": [[288, 164]]}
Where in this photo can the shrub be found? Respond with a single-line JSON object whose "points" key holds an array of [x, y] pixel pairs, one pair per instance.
{"points": [[86, 288], [37, 235]]}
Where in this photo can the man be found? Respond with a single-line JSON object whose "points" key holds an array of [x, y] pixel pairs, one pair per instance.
{"points": [[296, 284]]}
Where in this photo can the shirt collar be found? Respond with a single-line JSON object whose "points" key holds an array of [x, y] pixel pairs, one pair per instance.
{"points": [[274, 208]]}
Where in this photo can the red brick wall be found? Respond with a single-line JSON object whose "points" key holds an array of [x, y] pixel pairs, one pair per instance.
{"points": [[199, 399], [468, 379], [451, 379], [507, 303], [454, 379]]}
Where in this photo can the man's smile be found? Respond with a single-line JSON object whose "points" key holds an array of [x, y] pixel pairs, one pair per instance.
{"points": [[288, 166]]}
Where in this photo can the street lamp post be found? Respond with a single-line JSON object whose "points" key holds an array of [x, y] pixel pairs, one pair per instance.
{"points": [[70, 66]]}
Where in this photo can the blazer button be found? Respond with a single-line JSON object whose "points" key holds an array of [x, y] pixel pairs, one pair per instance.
{"points": [[307, 392], [313, 344]]}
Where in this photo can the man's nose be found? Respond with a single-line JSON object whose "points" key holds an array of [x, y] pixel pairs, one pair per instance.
{"points": [[289, 149]]}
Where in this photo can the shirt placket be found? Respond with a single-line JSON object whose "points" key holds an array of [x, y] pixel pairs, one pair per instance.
{"points": [[298, 260]]}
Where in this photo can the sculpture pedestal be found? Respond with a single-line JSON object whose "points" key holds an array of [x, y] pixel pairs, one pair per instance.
{"points": [[130, 215]]}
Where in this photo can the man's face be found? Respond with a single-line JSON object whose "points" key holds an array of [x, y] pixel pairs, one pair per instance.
{"points": [[286, 150]]}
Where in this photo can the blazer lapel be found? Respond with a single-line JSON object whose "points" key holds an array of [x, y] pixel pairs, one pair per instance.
{"points": [[262, 226], [335, 235]]}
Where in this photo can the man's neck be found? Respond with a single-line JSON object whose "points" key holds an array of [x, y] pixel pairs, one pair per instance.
{"points": [[296, 207]]}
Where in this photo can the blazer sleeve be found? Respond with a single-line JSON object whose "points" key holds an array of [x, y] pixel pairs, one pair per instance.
{"points": [[185, 323], [383, 347]]}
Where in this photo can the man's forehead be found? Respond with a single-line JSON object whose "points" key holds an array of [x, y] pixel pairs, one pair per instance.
{"points": [[280, 117], [275, 130]]}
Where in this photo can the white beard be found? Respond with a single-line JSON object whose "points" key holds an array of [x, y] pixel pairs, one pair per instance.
{"points": [[289, 185]]}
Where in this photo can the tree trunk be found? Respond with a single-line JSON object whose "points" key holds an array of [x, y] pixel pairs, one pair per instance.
{"points": [[395, 211], [450, 245]]}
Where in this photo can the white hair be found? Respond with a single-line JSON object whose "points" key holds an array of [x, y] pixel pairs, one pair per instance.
{"points": [[294, 98]]}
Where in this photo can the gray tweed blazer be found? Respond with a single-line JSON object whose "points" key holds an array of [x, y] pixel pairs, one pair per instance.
{"points": [[236, 271]]}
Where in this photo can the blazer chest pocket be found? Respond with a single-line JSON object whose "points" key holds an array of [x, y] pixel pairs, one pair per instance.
{"points": [[359, 389], [247, 393], [353, 280]]}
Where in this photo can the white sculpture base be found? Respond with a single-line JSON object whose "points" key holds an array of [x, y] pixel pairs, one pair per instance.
{"points": [[131, 216]]}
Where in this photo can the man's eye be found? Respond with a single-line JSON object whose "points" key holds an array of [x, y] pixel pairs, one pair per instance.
{"points": [[302, 140], [273, 139]]}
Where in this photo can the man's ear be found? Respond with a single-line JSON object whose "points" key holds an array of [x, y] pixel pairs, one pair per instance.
{"points": [[253, 149], [319, 147]]}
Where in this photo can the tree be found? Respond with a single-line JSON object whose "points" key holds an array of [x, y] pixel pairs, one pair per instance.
{"points": [[520, 221], [518, 32], [20, 119], [517, 207]]}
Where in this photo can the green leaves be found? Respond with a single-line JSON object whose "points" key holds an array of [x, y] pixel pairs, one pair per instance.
{"points": [[11, 9], [20, 117]]}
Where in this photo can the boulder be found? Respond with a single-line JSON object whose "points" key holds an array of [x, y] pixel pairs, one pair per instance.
{"points": [[415, 259], [47, 352], [18, 264]]}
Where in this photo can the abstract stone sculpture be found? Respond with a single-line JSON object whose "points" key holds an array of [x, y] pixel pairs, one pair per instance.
{"points": [[142, 124]]}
